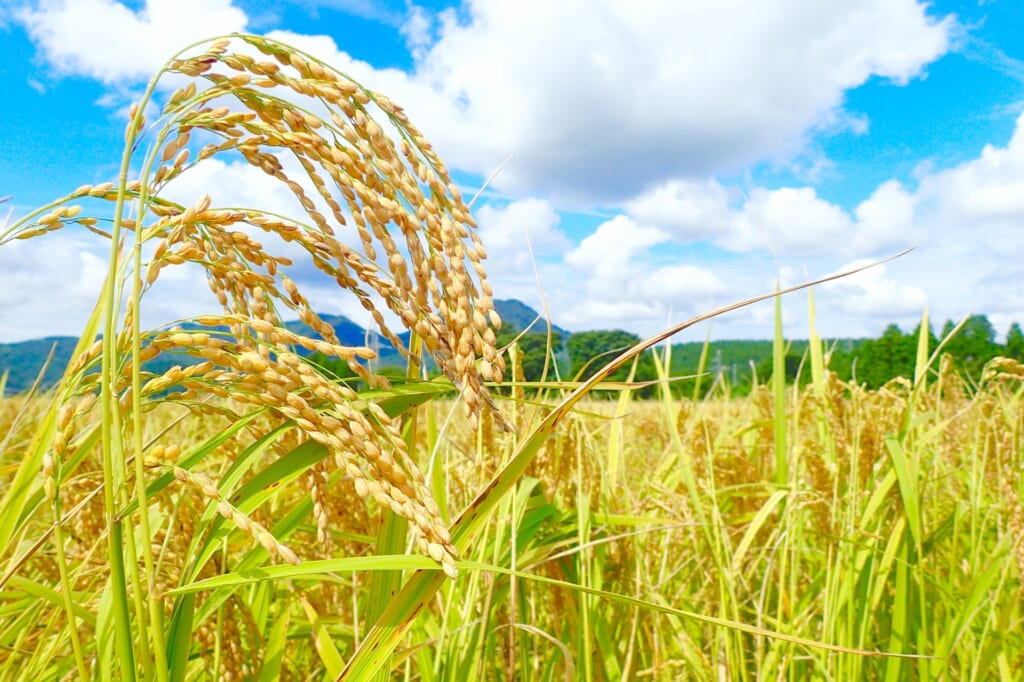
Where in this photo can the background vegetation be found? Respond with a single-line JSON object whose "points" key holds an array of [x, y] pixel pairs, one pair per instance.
{"points": [[871, 362]]}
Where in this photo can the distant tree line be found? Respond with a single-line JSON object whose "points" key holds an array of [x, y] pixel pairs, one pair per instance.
{"points": [[893, 354], [872, 362]]}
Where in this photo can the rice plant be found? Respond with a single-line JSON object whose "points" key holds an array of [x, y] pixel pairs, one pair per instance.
{"points": [[417, 258], [241, 514]]}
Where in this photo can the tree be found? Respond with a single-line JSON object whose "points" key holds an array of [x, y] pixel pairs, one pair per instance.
{"points": [[889, 356], [974, 345], [331, 367], [533, 349], [1014, 347], [589, 351], [793, 364]]}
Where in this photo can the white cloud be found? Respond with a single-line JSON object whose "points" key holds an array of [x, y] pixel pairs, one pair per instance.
{"points": [[788, 220], [509, 232], [50, 283], [691, 210], [637, 108], [598, 101], [875, 293], [965, 220], [885, 220], [598, 314], [623, 282], [106, 40], [605, 252], [989, 188], [604, 99], [417, 31], [234, 184], [671, 284]]}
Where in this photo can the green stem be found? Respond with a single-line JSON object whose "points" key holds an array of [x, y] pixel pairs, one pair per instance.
{"points": [[112, 443], [65, 585], [156, 613]]}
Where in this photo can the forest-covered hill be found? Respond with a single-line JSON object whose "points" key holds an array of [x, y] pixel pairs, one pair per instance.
{"points": [[869, 361], [23, 361]]}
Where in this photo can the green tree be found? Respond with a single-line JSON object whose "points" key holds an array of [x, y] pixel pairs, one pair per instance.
{"points": [[1014, 347], [589, 351], [331, 367], [974, 345], [793, 364], [533, 347], [891, 355]]}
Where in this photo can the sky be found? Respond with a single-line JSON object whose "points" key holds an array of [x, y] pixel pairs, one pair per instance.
{"points": [[660, 158]]}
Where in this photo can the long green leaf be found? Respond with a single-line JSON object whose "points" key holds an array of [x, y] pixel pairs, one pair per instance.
{"points": [[310, 570]]}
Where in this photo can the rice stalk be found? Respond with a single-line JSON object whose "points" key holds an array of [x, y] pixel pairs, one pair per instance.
{"points": [[417, 259]]}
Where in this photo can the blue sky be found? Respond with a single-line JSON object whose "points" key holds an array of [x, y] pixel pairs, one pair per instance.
{"points": [[664, 157]]}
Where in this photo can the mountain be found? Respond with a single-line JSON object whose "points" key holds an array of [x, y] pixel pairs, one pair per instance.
{"points": [[24, 360], [351, 334], [519, 316]]}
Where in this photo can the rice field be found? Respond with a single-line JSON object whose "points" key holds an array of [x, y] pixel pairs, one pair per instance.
{"points": [[644, 539], [250, 517]]}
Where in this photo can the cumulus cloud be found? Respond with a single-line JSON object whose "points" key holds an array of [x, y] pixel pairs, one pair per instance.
{"points": [[691, 210], [678, 283], [50, 284], [605, 252], [874, 292], [965, 220], [788, 220], [885, 221], [235, 184], [510, 233], [621, 284], [988, 190], [604, 99], [108, 41], [598, 101], [636, 109]]}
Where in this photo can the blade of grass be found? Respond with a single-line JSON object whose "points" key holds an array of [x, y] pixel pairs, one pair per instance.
{"points": [[329, 655], [779, 422], [276, 642]]}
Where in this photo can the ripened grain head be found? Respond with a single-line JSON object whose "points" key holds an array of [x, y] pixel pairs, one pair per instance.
{"points": [[379, 216]]}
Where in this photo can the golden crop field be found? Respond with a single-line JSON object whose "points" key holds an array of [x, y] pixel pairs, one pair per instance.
{"points": [[644, 539], [247, 516]]}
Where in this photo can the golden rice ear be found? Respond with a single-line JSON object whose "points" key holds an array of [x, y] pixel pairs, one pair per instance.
{"points": [[361, 172], [416, 256]]}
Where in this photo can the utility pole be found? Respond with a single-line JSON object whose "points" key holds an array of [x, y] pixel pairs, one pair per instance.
{"points": [[373, 342]]}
